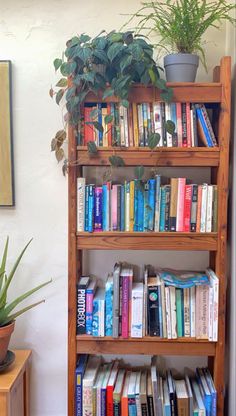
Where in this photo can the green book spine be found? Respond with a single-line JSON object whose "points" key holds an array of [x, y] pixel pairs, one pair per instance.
{"points": [[179, 313]]}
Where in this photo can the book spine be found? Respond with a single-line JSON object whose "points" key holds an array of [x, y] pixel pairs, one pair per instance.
{"points": [[199, 205], [114, 207], [145, 123], [132, 406], [157, 122], [146, 206], [179, 124], [174, 119], [204, 127], [118, 208], [140, 207], [80, 204], [131, 206], [117, 125], [151, 203], [86, 208], [109, 125], [184, 125], [153, 312], [208, 125], [210, 313], [150, 406], [91, 209], [137, 314], [79, 393], [187, 207], [209, 209], [202, 305], [203, 208], [116, 408], [126, 127], [100, 132], [179, 312], [194, 121], [180, 204], [193, 220], [135, 125], [215, 209], [125, 307], [167, 207], [103, 402], [140, 125], [109, 308], [173, 313], [173, 203], [186, 313], [98, 209], [192, 311], [168, 312], [116, 301], [163, 124], [122, 208], [81, 311], [168, 117], [163, 305], [188, 119], [104, 208], [89, 311], [122, 125], [87, 401], [109, 404], [95, 323], [105, 127], [157, 203], [162, 208]]}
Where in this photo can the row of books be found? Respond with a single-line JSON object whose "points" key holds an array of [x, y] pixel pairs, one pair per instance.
{"points": [[112, 124], [112, 389], [147, 206], [166, 304]]}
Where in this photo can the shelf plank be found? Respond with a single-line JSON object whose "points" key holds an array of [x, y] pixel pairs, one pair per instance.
{"points": [[116, 240], [195, 156], [199, 93], [148, 345]]}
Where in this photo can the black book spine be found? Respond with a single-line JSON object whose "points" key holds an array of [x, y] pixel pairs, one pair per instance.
{"points": [[144, 409], [153, 311], [81, 310], [193, 220], [116, 408], [184, 125], [150, 406], [167, 208], [163, 124]]}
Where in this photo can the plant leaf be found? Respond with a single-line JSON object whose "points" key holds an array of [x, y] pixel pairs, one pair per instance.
{"points": [[125, 103], [170, 126], [116, 161], [12, 317], [53, 145], [92, 148], [51, 92], [113, 50], [3, 263], [62, 82], [108, 93], [57, 63], [108, 118], [59, 96], [167, 95], [139, 172], [59, 154], [153, 140], [97, 125], [161, 83]]}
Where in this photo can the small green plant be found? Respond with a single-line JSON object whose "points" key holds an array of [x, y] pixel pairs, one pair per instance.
{"points": [[107, 64], [7, 313], [181, 24]]}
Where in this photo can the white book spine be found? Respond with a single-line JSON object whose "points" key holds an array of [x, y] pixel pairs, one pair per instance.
{"points": [[122, 125], [168, 319], [102, 318], [137, 311], [80, 203], [209, 209], [168, 135], [126, 130], [173, 313], [163, 305], [157, 203], [215, 283], [157, 122], [192, 311], [203, 208], [210, 313], [127, 210], [186, 313]]}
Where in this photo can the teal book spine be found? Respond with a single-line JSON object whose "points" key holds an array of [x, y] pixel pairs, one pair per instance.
{"points": [[140, 207], [151, 203], [109, 307], [104, 208], [162, 209], [179, 312], [146, 206]]}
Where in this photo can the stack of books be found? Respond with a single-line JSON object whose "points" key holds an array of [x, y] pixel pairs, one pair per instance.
{"points": [[112, 124], [147, 206], [112, 389], [165, 303]]}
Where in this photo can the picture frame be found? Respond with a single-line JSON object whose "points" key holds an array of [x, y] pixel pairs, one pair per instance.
{"points": [[7, 194]]}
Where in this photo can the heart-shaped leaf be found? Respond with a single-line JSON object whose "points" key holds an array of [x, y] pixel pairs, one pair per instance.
{"points": [[139, 172], [125, 103], [59, 95], [153, 140], [108, 118], [108, 93], [161, 83], [51, 92], [167, 95], [92, 148], [57, 63], [53, 145], [59, 154], [62, 82], [113, 50], [116, 161], [170, 127]]}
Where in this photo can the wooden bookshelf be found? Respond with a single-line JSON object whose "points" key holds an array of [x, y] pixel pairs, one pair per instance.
{"points": [[217, 159]]}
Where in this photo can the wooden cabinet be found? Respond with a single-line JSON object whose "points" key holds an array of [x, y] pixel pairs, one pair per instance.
{"points": [[217, 160], [14, 386]]}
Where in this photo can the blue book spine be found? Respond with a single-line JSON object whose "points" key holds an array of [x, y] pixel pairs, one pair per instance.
{"points": [[173, 115], [140, 207], [100, 134], [79, 373], [86, 208], [162, 209], [206, 396], [160, 312], [103, 401], [122, 208], [151, 203], [204, 126], [132, 406], [104, 208], [91, 208], [95, 324], [146, 206], [136, 205], [109, 308]]}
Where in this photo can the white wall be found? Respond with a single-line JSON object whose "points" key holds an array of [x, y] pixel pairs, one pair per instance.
{"points": [[32, 34]]}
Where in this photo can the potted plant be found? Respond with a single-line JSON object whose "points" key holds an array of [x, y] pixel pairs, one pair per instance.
{"points": [[7, 309], [181, 25], [109, 64]]}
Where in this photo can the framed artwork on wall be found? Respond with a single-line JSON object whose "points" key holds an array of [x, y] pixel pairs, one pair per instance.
{"points": [[6, 144]]}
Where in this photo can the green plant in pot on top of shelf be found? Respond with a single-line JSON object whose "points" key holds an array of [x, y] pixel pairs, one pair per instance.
{"points": [[7, 309], [107, 64], [181, 25]]}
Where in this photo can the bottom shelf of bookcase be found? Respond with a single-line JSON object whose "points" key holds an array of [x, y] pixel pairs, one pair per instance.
{"points": [[147, 345]]}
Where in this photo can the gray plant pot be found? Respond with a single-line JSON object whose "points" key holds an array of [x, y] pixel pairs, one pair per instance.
{"points": [[181, 67]]}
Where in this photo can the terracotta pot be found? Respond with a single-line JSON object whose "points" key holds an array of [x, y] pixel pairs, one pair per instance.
{"points": [[5, 335]]}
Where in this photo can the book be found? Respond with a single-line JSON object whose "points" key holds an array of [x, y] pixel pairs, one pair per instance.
{"points": [[137, 394], [124, 279], [124, 397], [150, 395], [116, 300], [81, 306], [167, 408], [79, 373], [90, 374], [143, 393], [98, 313], [109, 288], [118, 392], [106, 377], [206, 394], [214, 283], [202, 305], [173, 203], [131, 394], [137, 310], [80, 204], [153, 307], [182, 398], [198, 398], [89, 294], [110, 388]]}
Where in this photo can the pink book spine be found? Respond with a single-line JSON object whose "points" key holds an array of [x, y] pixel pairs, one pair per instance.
{"points": [[179, 124], [114, 207], [125, 307], [180, 204], [188, 117], [187, 207]]}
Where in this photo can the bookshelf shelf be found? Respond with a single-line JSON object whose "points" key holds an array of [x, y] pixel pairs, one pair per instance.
{"points": [[196, 156], [219, 93], [117, 240], [147, 345]]}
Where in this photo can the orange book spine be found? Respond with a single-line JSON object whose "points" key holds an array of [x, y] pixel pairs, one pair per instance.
{"points": [[199, 204]]}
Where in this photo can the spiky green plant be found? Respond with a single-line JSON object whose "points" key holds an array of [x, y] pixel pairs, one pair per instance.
{"points": [[181, 24], [7, 313]]}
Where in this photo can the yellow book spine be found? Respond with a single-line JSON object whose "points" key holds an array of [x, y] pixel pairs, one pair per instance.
{"points": [[135, 125], [131, 207]]}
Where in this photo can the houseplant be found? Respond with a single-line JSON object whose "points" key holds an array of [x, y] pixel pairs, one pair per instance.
{"points": [[181, 26], [109, 64], [7, 313]]}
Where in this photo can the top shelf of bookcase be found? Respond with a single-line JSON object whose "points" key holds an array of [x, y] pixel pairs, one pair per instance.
{"points": [[182, 92]]}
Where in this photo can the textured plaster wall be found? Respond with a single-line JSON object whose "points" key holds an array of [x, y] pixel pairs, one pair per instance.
{"points": [[32, 34]]}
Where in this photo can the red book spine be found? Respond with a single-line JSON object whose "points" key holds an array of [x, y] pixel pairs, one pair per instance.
{"points": [[179, 124], [88, 128], [125, 307], [109, 400], [188, 117], [109, 126], [187, 207]]}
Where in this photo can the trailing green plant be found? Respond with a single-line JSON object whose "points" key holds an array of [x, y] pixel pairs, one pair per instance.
{"points": [[107, 64], [181, 24], [7, 309]]}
